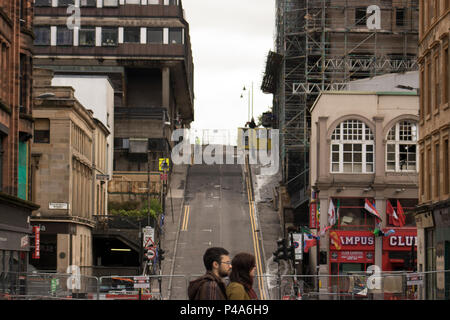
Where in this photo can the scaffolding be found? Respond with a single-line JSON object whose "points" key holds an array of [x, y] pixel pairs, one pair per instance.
{"points": [[321, 45]]}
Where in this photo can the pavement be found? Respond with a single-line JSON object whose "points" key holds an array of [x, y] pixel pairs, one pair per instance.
{"points": [[269, 222], [171, 229]]}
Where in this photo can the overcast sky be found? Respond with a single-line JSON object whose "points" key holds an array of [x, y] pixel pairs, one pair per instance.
{"points": [[230, 41]]}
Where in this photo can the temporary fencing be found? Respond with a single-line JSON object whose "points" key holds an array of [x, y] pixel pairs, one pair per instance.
{"points": [[45, 286], [432, 285], [153, 287]]}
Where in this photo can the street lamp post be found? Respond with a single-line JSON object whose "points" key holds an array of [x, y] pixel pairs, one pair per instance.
{"points": [[249, 97]]}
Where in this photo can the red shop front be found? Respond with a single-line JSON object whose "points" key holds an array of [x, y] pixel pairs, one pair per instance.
{"points": [[350, 252], [398, 254]]}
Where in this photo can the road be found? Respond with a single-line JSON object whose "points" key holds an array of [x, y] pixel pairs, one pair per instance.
{"points": [[216, 213]]}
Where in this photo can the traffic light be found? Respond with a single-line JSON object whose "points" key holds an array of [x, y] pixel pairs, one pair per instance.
{"points": [[281, 252], [161, 254], [291, 252]]}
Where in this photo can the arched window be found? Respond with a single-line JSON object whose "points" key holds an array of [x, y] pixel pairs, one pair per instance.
{"points": [[401, 147], [352, 148]]}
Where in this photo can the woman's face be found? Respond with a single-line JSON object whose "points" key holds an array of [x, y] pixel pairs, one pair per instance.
{"points": [[253, 272]]}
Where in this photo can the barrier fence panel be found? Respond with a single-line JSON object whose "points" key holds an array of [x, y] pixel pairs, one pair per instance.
{"points": [[154, 287], [433, 285], [44, 286]]}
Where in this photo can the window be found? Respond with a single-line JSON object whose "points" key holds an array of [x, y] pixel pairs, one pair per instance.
{"points": [[437, 88], [42, 131], [131, 35], [64, 36], [121, 143], [437, 170], [446, 153], [400, 17], [88, 3], [422, 173], [87, 36], [1, 164], [110, 3], [422, 100], [65, 3], [430, 11], [360, 16], [352, 215], [23, 9], [43, 3], [352, 148], [109, 37], [428, 86], [42, 35], [173, 2], [155, 35], [445, 75], [401, 147], [429, 173], [176, 36], [132, 1], [408, 206], [23, 83]]}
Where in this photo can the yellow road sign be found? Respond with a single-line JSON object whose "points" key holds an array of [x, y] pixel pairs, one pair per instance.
{"points": [[163, 164]]}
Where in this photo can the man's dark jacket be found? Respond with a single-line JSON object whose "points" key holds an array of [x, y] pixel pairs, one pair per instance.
{"points": [[207, 287]]}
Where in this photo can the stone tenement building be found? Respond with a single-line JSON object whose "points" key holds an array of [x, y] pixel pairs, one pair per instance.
{"points": [[68, 148], [16, 129], [433, 215]]}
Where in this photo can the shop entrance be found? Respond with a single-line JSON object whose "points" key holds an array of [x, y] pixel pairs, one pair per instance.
{"points": [[348, 277]]}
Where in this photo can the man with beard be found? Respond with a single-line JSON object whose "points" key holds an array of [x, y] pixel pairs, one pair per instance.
{"points": [[211, 286]]}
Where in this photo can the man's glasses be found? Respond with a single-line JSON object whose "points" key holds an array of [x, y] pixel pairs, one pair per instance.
{"points": [[226, 262]]}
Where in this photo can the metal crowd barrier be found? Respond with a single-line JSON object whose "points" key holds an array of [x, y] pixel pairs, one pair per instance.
{"points": [[433, 285]]}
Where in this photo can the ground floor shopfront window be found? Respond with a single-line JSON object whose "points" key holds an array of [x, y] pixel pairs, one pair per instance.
{"points": [[13, 265], [351, 253]]}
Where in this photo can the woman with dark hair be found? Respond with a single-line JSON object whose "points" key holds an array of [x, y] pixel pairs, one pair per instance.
{"points": [[241, 278]]}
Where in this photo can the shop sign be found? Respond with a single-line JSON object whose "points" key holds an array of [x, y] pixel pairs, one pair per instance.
{"points": [[313, 223], [351, 256], [37, 243], [414, 279], [400, 240], [58, 206], [352, 240]]}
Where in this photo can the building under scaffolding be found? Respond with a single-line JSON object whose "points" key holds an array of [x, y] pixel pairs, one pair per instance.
{"points": [[322, 45]]}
